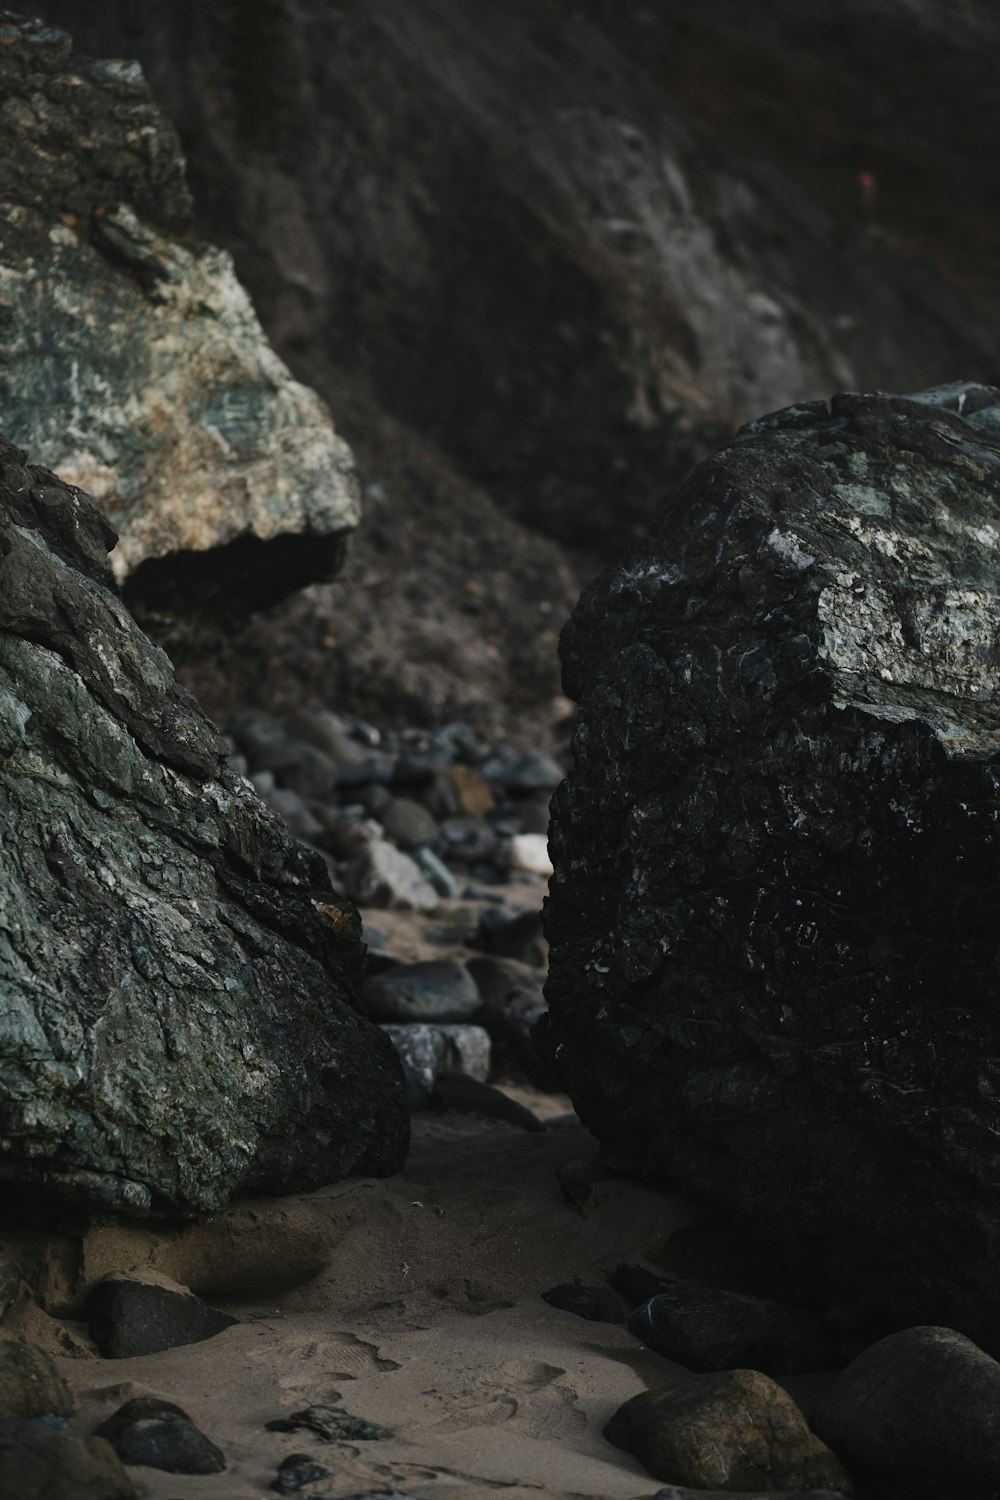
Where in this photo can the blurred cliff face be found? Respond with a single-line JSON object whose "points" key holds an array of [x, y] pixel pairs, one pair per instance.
{"points": [[541, 257], [572, 245]]}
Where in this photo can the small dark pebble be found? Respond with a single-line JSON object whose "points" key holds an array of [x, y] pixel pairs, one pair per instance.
{"points": [[295, 1471], [156, 1434], [598, 1303], [331, 1423]]}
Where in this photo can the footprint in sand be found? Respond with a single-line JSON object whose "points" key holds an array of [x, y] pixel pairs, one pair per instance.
{"points": [[313, 1365], [528, 1394]]}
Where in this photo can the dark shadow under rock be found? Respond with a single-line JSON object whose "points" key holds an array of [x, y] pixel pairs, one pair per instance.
{"points": [[707, 1328], [467, 1096], [596, 1303]]}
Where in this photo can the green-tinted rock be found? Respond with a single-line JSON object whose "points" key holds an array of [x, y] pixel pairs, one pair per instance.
{"points": [[42, 1461], [30, 1384], [132, 361], [179, 981], [159, 1435]]}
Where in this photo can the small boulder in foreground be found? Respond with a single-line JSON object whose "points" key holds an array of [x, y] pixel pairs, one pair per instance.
{"points": [[919, 1409], [736, 1431]]}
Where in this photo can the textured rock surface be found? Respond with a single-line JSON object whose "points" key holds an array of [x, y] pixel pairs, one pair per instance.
{"points": [[156, 1434], [602, 232], [737, 1431], [917, 1412], [132, 361], [707, 1328], [30, 1383], [774, 972], [128, 1318], [150, 899], [42, 1461]]}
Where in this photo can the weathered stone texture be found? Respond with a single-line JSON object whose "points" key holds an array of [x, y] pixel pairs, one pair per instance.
{"points": [[132, 361], [177, 981], [773, 920]]}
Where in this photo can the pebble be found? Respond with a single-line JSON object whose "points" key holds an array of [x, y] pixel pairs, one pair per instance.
{"points": [[127, 1318], [920, 1410], [312, 774], [472, 791], [535, 772], [530, 851], [433, 990], [327, 732], [428, 1050], [297, 1470], [407, 823], [156, 1434], [437, 873], [331, 1423], [382, 875], [302, 824], [736, 1430], [709, 1328]]}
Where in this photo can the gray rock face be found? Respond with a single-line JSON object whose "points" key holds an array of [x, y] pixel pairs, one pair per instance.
{"points": [[920, 1411], [132, 362], [179, 981], [773, 971], [426, 1050]]}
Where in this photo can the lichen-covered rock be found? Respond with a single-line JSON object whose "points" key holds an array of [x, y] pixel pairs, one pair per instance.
{"points": [[773, 920], [132, 362], [179, 982]]}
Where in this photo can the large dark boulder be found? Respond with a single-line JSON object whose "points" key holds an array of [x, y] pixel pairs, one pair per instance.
{"points": [[179, 982], [774, 975], [541, 257]]}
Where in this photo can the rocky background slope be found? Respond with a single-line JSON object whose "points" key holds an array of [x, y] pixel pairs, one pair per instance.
{"points": [[539, 258]]}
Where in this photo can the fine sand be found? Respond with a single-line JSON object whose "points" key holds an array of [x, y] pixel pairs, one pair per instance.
{"points": [[414, 1302]]}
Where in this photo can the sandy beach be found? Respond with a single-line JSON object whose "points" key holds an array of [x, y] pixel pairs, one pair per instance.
{"points": [[414, 1302]]}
